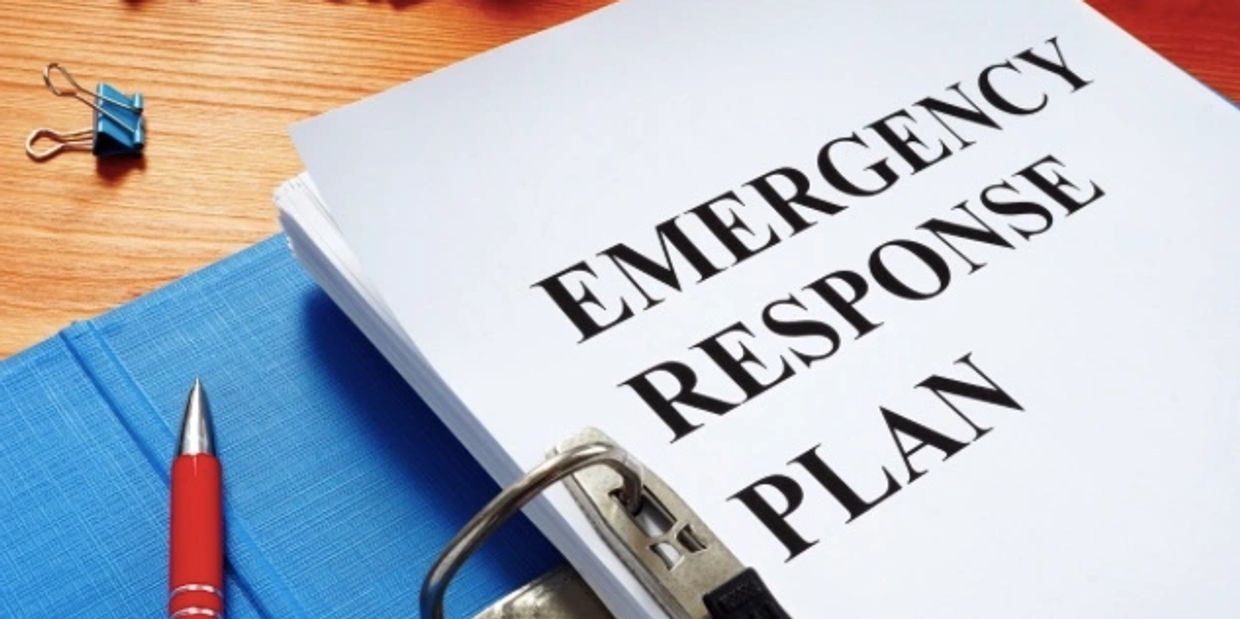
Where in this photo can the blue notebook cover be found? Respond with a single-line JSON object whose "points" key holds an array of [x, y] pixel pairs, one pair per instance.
{"points": [[341, 486]]}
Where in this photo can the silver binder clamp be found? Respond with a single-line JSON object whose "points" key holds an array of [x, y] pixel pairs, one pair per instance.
{"points": [[671, 551]]}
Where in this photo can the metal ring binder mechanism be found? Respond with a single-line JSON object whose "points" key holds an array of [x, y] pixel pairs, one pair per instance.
{"points": [[675, 556], [116, 129]]}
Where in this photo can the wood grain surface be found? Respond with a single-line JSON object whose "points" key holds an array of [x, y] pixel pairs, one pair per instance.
{"points": [[223, 79]]}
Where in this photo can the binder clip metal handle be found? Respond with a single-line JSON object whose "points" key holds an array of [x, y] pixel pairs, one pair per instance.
{"points": [[82, 139], [95, 100], [674, 555]]}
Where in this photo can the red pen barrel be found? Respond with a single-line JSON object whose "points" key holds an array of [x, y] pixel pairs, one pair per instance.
{"points": [[196, 573]]}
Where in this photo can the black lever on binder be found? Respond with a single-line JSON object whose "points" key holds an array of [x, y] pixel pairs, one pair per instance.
{"points": [[743, 597]]}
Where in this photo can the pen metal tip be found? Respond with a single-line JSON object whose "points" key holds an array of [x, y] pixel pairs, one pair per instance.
{"points": [[196, 424]]}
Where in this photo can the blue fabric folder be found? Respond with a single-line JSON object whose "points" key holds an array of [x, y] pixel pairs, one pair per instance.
{"points": [[341, 486]]}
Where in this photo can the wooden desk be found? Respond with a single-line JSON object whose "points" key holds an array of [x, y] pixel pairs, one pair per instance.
{"points": [[225, 78]]}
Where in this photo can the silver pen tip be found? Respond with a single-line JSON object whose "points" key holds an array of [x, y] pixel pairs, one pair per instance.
{"points": [[196, 424]]}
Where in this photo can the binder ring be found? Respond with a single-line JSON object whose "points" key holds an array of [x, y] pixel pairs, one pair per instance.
{"points": [[513, 498]]}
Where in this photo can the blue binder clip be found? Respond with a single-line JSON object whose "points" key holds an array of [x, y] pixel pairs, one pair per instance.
{"points": [[117, 128]]}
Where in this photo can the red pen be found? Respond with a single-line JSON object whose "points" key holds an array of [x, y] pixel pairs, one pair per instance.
{"points": [[196, 548]]}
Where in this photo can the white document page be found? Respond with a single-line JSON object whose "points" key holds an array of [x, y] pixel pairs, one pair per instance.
{"points": [[928, 309]]}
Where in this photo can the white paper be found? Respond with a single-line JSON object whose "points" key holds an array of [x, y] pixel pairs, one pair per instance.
{"points": [[1113, 493]]}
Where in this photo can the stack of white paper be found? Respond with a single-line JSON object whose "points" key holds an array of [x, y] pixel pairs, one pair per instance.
{"points": [[928, 310]]}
